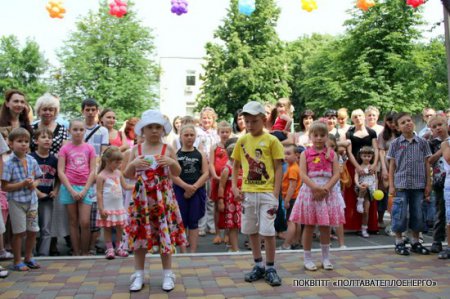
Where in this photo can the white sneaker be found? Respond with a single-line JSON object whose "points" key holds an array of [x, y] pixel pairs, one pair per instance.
{"points": [[6, 255], [310, 266], [168, 282], [364, 233], [327, 265], [137, 282]]}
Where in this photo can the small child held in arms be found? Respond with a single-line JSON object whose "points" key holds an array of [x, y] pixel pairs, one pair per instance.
{"points": [[365, 185], [111, 211], [229, 209], [283, 120], [48, 188], [19, 180]]}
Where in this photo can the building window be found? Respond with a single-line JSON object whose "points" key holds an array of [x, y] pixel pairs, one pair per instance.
{"points": [[190, 78]]}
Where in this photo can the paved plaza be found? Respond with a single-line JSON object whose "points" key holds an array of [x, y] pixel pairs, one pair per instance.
{"points": [[221, 276]]}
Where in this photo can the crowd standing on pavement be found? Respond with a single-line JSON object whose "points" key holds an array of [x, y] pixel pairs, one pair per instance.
{"points": [[159, 184]]}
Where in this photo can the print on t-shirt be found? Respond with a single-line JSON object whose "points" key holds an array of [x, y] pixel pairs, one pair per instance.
{"points": [[256, 168]]}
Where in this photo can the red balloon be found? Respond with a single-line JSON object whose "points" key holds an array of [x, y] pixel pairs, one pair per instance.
{"points": [[415, 3]]}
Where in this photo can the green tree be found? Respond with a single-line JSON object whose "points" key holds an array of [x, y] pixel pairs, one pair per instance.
{"points": [[299, 52], [22, 67], [248, 63], [109, 59], [374, 63]]}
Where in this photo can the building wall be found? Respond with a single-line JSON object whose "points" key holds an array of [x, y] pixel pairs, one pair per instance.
{"points": [[178, 90]]}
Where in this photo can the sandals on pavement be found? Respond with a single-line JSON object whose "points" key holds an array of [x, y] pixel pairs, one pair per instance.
{"points": [[401, 249], [419, 248], [444, 254], [32, 264], [21, 267], [217, 240]]}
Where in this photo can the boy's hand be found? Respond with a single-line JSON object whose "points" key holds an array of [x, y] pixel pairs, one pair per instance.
{"points": [[103, 214], [392, 191], [53, 194], [286, 204], [27, 183], [427, 192]]}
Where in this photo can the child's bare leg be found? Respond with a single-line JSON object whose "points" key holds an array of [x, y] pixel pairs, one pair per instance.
{"points": [[119, 234], [233, 237], [340, 234], [365, 217], [30, 243], [166, 260], [325, 232], [85, 215], [17, 247], [193, 240], [72, 211], [307, 243], [290, 234], [270, 244], [255, 243], [139, 259], [217, 239]]}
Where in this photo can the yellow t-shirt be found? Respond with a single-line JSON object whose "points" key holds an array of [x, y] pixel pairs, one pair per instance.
{"points": [[256, 155]]}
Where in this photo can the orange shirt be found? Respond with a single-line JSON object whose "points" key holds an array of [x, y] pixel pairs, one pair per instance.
{"points": [[292, 173]]}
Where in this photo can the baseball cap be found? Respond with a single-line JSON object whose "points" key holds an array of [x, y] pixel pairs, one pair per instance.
{"points": [[254, 108]]}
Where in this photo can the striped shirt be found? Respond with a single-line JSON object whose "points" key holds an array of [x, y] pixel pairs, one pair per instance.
{"points": [[410, 157], [15, 171]]}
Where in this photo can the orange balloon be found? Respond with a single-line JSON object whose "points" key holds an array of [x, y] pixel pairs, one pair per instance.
{"points": [[365, 4]]}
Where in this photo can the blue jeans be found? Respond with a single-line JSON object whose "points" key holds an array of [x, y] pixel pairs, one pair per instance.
{"points": [[404, 201], [429, 211]]}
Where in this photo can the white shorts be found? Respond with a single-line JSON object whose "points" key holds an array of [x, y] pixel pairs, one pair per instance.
{"points": [[259, 211], [24, 217]]}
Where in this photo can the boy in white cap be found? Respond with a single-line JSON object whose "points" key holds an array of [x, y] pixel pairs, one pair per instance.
{"points": [[260, 155]]}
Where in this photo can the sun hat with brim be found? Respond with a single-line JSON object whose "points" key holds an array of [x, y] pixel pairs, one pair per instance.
{"points": [[152, 117], [253, 108]]}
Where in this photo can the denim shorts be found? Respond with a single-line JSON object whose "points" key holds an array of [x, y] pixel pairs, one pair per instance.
{"points": [[447, 204], [66, 198], [407, 200]]}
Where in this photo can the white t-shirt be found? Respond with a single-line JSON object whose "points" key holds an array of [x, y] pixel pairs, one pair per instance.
{"points": [[99, 138]]}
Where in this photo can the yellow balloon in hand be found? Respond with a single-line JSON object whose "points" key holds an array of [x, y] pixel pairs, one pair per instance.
{"points": [[378, 194]]}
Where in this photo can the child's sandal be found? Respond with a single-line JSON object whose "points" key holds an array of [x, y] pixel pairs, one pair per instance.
{"points": [[419, 248], [21, 267], [401, 249], [32, 264], [122, 253]]}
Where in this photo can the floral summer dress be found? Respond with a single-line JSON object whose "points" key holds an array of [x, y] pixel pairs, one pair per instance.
{"points": [[155, 219]]}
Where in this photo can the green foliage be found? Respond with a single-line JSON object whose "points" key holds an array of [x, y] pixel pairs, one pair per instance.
{"points": [[22, 68], [249, 62], [376, 62], [108, 59]]}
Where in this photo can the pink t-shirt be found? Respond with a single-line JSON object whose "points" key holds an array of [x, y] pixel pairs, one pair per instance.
{"points": [[77, 162]]}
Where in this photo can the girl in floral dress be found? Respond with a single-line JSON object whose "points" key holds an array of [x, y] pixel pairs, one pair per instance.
{"points": [[155, 220], [318, 200]]}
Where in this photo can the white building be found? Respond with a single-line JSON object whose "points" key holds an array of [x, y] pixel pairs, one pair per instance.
{"points": [[179, 85]]}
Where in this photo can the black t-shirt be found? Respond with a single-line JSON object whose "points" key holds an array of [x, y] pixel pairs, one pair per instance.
{"points": [[191, 165], [49, 166], [358, 143]]}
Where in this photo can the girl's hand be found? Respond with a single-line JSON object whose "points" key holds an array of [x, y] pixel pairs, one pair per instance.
{"points": [[140, 163], [237, 195], [74, 195], [372, 169], [188, 194], [392, 191], [360, 170], [53, 194], [164, 160], [103, 214]]}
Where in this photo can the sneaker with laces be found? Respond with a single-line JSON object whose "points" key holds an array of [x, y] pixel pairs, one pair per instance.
{"points": [[168, 282], [256, 274], [272, 277], [364, 233], [137, 282]]}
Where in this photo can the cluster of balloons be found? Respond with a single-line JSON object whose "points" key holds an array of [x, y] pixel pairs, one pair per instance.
{"points": [[246, 7], [118, 8], [55, 9], [309, 5], [365, 4], [415, 3], [179, 7]]}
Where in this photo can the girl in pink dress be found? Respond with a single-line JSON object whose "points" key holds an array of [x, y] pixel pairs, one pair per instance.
{"points": [[318, 200]]}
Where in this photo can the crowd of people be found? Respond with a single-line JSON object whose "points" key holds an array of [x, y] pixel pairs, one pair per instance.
{"points": [[157, 185]]}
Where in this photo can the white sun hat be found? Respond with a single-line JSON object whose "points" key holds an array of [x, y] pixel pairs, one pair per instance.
{"points": [[152, 117], [254, 108]]}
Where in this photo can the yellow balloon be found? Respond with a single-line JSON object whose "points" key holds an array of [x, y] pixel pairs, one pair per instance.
{"points": [[378, 194]]}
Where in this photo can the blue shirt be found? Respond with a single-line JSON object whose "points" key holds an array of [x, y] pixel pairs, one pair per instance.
{"points": [[14, 171]]}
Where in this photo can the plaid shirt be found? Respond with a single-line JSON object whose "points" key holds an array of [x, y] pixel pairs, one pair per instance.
{"points": [[14, 172], [410, 157]]}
